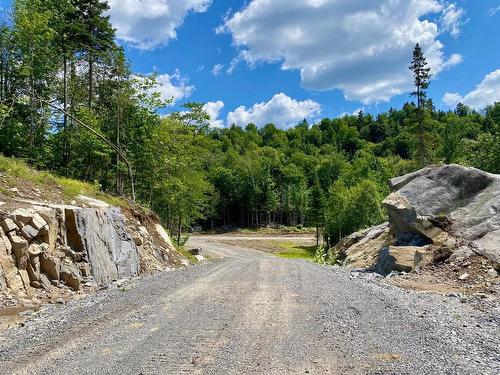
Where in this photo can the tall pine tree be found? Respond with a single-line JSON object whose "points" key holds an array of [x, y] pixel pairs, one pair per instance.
{"points": [[422, 77]]}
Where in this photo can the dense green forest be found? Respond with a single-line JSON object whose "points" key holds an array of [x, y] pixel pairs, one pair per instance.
{"points": [[70, 103]]}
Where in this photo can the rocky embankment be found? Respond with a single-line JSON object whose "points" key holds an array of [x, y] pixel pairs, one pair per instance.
{"points": [[442, 219], [54, 252]]}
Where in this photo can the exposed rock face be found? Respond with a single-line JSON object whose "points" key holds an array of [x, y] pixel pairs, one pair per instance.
{"points": [[59, 246], [433, 213], [101, 234], [436, 203]]}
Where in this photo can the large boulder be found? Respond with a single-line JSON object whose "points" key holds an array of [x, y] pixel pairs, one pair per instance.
{"points": [[434, 203], [361, 249]]}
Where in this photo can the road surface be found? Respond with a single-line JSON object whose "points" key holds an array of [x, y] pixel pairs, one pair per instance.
{"points": [[253, 313]]}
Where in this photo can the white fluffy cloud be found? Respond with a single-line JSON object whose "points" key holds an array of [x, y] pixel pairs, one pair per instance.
{"points": [[213, 110], [170, 86], [146, 24], [487, 92], [360, 47], [281, 110]]}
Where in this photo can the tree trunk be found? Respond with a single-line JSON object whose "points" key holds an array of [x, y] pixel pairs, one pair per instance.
{"points": [[91, 79], [179, 230]]}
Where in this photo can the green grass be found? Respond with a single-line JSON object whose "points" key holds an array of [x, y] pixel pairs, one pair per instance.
{"points": [[45, 181], [186, 254], [277, 230], [293, 251]]}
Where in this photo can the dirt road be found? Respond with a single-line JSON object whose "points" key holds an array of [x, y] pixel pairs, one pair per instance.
{"points": [[254, 313]]}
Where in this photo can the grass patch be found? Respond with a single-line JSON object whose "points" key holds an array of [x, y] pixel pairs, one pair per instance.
{"points": [[294, 251], [277, 230], [186, 254], [48, 182]]}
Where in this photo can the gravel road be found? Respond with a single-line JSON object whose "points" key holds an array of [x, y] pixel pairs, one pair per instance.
{"points": [[253, 313]]}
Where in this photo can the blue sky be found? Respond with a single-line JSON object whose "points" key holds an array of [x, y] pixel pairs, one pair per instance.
{"points": [[310, 58]]}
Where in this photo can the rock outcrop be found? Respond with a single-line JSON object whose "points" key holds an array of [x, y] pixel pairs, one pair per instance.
{"points": [[44, 246], [435, 213]]}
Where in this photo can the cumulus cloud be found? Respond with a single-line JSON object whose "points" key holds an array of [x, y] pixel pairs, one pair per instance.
{"points": [[170, 86], [360, 47], [213, 110], [487, 92], [281, 110], [452, 19], [217, 69], [147, 24]]}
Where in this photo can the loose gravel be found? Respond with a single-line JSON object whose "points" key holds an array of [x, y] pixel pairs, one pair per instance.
{"points": [[253, 313]]}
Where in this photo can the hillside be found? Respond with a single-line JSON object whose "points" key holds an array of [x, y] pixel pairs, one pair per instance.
{"points": [[62, 238]]}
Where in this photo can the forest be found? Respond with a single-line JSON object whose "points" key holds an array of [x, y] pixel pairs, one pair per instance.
{"points": [[70, 103]]}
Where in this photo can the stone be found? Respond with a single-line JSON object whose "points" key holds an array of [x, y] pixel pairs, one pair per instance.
{"points": [[20, 250], [50, 265], [45, 282], [70, 275], [91, 202], [14, 280], [403, 259], [25, 278], [29, 232], [48, 233], [3, 282], [38, 222], [17, 242], [461, 254], [8, 225], [361, 249], [36, 284], [464, 276], [200, 258], [195, 251], [33, 275], [137, 239], [492, 273], [35, 249], [85, 269], [23, 215], [7, 246], [144, 231], [3, 247], [164, 236]]}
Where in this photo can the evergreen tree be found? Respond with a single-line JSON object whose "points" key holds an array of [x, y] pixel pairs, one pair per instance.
{"points": [[95, 36], [422, 76]]}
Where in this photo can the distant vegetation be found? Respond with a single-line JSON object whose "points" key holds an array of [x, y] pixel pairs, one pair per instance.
{"points": [[69, 103]]}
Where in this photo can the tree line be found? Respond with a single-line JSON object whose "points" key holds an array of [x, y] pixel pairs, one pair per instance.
{"points": [[70, 103]]}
